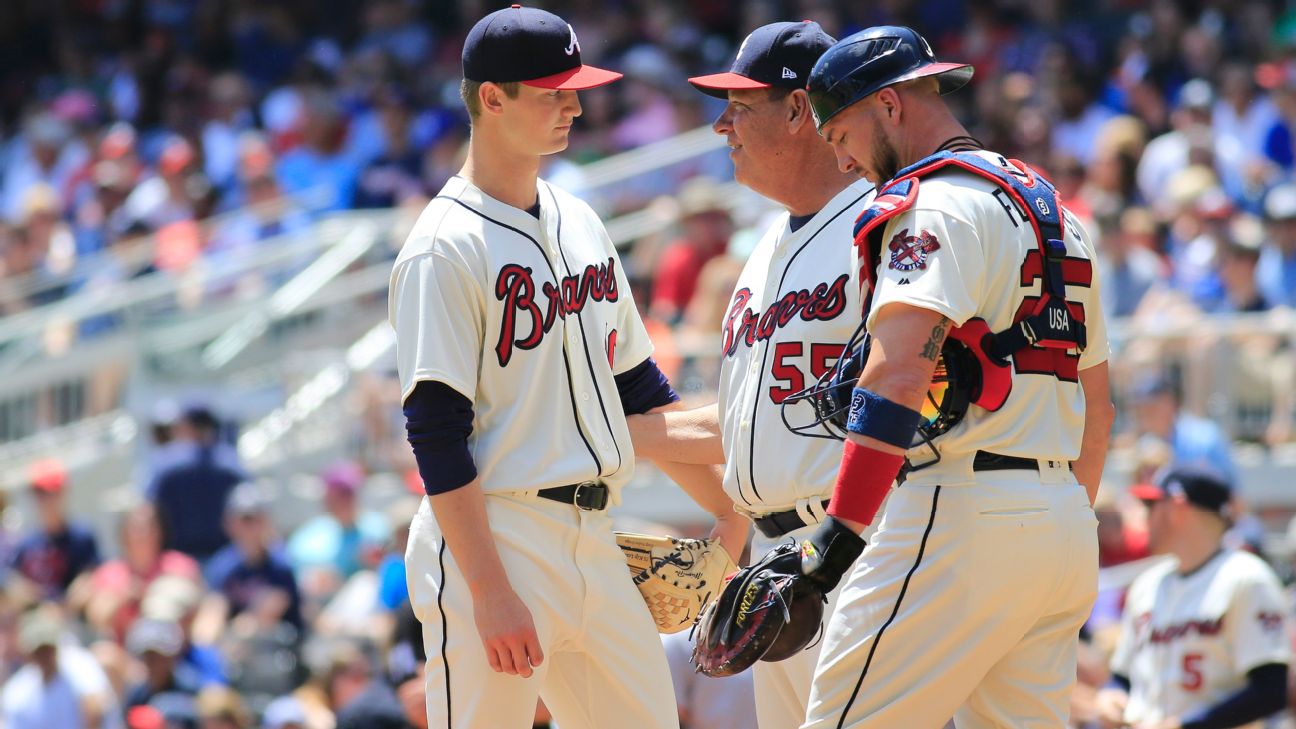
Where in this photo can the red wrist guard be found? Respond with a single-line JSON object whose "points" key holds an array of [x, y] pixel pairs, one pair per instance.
{"points": [[863, 482]]}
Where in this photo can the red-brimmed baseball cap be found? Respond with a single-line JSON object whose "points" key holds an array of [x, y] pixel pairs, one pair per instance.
{"points": [[778, 55], [530, 46], [1199, 486], [47, 475]]}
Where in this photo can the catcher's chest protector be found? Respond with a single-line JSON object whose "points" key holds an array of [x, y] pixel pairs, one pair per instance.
{"points": [[1049, 324]]}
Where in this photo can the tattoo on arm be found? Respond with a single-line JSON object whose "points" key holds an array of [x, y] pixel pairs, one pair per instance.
{"points": [[931, 350]]}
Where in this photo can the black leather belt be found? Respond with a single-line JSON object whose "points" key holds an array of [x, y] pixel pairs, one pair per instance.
{"points": [[984, 461], [587, 495], [779, 523]]}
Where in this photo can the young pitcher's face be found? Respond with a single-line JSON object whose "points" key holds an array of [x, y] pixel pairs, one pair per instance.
{"points": [[541, 119]]}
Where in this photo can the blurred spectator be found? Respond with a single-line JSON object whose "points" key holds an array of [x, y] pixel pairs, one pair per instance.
{"points": [[176, 599], [220, 708], [45, 153], [256, 582], [1193, 440], [118, 587], [1241, 119], [331, 547], [319, 165], [1118, 541], [157, 644], [229, 116], [393, 175], [178, 193], [1172, 152], [1082, 117], [195, 474], [60, 550], [359, 699], [1128, 265], [1276, 272], [60, 686], [264, 211], [39, 694], [1239, 255], [705, 228], [1196, 199], [285, 712]]}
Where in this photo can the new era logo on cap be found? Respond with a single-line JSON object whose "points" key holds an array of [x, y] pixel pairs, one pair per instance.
{"points": [[530, 46], [775, 55]]}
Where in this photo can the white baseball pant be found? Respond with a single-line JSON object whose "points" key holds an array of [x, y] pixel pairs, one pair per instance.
{"points": [[966, 604], [603, 666]]}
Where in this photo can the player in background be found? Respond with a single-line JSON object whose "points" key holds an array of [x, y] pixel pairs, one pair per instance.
{"points": [[519, 350], [968, 601], [792, 311], [1203, 643]]}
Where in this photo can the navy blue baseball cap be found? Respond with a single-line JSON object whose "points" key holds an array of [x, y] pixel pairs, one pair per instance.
{"points": [[1200, 486], [530, 46], [778, 55]]}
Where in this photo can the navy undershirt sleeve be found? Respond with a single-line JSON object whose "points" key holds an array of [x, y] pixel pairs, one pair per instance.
{"points": [[1265, 694], [644, 387], [438, 421]]}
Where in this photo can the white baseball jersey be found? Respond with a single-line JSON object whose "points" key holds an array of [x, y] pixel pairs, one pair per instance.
{"points": [[793, 309], [529, 319], [935, 257], [1188, 641]]}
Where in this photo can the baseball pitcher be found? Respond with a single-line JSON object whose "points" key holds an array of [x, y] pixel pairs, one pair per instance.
{"points": [[519, 350]]}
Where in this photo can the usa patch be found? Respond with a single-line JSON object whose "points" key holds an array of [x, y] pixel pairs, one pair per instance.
{"points": [[910, 252]]}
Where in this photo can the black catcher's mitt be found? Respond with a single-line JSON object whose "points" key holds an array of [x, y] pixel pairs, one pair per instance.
{"points": [[767, 611]]}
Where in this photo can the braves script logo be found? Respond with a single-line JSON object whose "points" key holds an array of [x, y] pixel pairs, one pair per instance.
{"points": [[909, 252], [1175, 631], [824, 302], [574, 46], [517, 289]]}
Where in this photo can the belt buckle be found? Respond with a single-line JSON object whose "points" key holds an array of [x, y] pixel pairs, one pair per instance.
{"points": [[588, 497]]}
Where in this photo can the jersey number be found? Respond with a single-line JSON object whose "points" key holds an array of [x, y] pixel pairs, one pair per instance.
{"points": [[822, 358], [1062, 364], [1192, 673]]}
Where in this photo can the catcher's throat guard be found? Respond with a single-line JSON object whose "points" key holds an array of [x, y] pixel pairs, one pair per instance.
{"points": [[974, 364]]}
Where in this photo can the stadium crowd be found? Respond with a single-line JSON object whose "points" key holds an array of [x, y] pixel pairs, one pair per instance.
{"points": [[141, 136]]}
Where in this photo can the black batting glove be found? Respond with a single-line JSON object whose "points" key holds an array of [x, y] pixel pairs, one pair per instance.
{"points": [[829, 553]]}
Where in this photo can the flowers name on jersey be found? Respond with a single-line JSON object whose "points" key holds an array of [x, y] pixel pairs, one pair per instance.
{"points": [[824, 302], [527, 320], [910, 252]]}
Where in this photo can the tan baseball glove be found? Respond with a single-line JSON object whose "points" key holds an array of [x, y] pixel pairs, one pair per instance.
{"points": [[677, 577]]}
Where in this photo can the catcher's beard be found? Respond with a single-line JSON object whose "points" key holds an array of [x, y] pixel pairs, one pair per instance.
{"points": [[886, 161]]}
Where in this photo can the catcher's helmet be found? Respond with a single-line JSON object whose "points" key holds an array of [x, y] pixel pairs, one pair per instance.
{"points": [[870, 60]]}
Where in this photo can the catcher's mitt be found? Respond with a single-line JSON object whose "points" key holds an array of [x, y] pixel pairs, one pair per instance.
{"points": [[768, 611], [677, 577]]}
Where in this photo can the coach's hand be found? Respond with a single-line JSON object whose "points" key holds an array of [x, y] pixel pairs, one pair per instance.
{"points": [[830, 552], [507, 633]]}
